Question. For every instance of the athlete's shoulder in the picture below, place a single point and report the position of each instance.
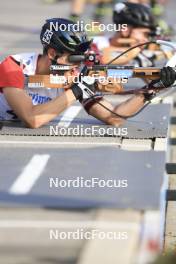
(28, 60)
(11, 73)
(24, 58)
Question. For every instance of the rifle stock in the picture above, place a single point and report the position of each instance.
(54, 81)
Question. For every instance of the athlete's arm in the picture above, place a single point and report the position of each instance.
(108, 54)
(35, 116)
(126, 108)
(132, 105)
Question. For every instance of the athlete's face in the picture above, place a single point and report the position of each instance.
(64, 59)
(141, 35)
(61, 59)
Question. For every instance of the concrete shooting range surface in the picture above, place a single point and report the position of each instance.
(132, 158)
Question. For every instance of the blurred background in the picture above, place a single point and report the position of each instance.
(24, 231)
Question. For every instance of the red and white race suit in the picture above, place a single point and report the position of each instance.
(12, 72)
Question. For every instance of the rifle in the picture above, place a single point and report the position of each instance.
(113, 71)
(55, 80)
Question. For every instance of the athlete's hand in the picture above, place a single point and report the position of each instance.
(85, 87)
(108, 84)
(70, 76)
(83, 90)
(167, 76)
(167, 79)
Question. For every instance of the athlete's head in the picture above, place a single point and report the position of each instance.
(60, 39)
(138, 17)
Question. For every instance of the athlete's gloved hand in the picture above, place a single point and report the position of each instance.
(148, 96)
(167, 76)
(85, 88)
(82, 90)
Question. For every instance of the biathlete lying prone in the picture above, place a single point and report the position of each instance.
(38, 106)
